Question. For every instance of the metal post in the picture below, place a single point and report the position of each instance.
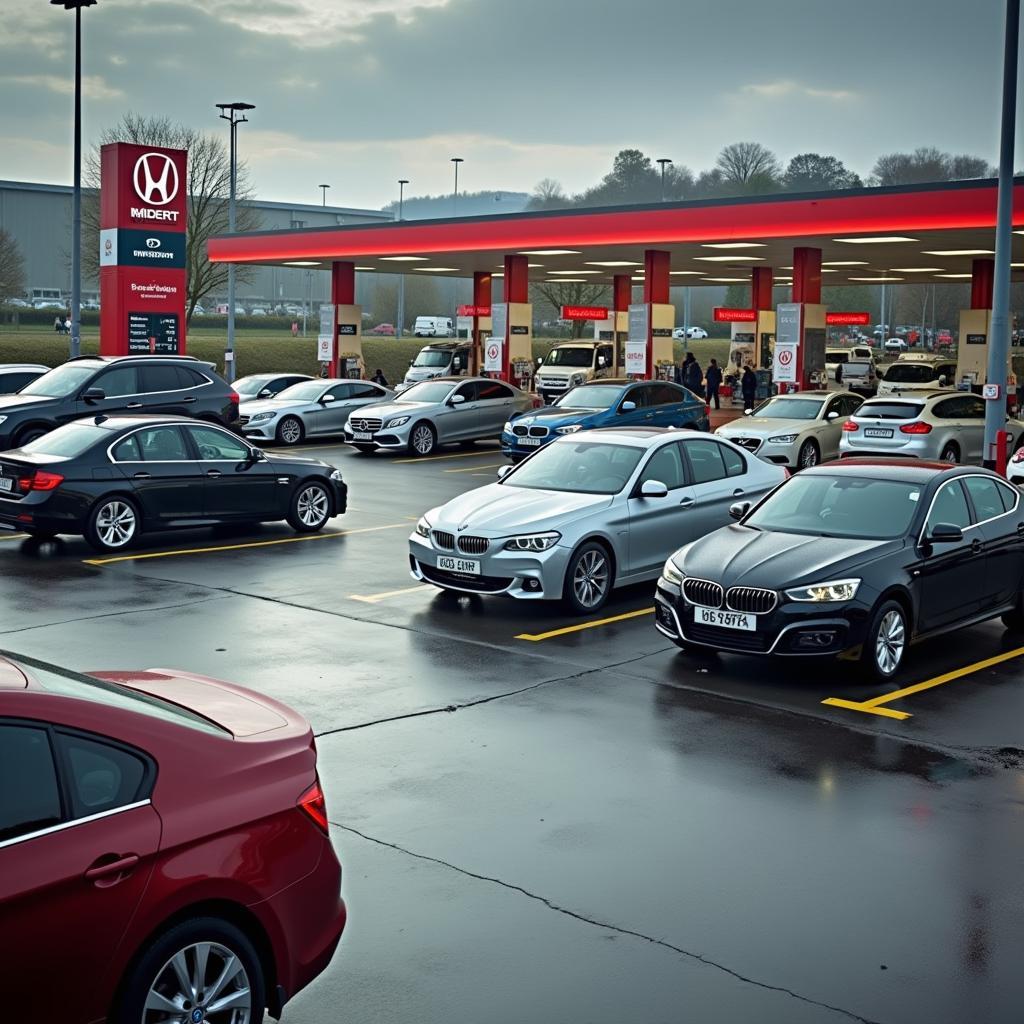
(323, 193)
(400, 317)
(664, 161)
(455, 195)
(999, 340)
(76, 206)
(229, 352)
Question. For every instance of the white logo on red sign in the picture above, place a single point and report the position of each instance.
(155, 179)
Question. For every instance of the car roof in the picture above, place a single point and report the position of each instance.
(639, 437)
(910, 395)
(813, 394)
(114, 422)
(906, 470)
(138, 359)
(615, 382)
(10, 367)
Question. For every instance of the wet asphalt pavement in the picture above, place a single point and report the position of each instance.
(587, 826)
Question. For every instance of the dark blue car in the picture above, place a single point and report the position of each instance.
(605, 403)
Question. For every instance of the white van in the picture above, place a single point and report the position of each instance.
(572, 363)
(437, 361)
(434, 327)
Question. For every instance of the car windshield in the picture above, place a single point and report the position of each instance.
(790, 408)
(433, 358)
(590, 398)
(911, 373)
(837, 357)
(251, 385)
(570, 357)
(432, 391)
(69, 440)
(307, 391)
(60, 382)
(842, 505)
(582, 467)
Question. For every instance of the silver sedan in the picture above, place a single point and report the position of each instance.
(311, 409)
(436, 412)
(798, 430)
(588, 512)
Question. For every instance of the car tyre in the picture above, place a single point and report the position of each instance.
(950, 453)
(1015, 619)
(114, 523)
(887, 640)
(809, 455)
(23, 437)
(290, 431)
(422, 439)
(153, 989)
(588, 579)
(310, 507)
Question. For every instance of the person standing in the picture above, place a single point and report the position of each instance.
(749, 386)
(713, 379)
(693, 375)
(379, 378)
(58, 325)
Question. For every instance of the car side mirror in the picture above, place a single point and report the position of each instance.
(946, 533)
(266, 393)
(256, 455)
(942, 381)
(93, 395)
(326, 398)
(627, 407)
(601, 362)
(504, 471)
(738, 509)
(832, 416)
(456, 400)
(748, 412)
(653, 489)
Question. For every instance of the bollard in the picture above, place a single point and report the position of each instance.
(1002, 451)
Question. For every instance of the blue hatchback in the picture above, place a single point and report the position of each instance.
(605, 403)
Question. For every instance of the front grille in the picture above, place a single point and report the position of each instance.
(664, 616)
(473, 545)
(365, 426)
(461, 581)
(750, 443)
(751, 599)
(444, 541)
(242, 420)
(734, 639)
(538, 431)
(520, 431)
(703, 592)
(554, 384)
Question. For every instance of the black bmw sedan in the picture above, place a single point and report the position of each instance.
(855, 560)
(112, 478)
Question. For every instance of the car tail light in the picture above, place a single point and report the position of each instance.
(916, 428)
(849, 427)
(40, 481)
(233, 397)
(707, 411)
(315, 806)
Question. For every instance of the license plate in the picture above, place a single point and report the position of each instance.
(6, 483)
(878, 432)
(362, 437)
(530, 442)
(463, 565)
(725, 620)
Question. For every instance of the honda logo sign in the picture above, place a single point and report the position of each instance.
(155, 179)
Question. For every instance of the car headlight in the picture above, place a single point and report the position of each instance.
(671, 573)
(568, 430)
(2, 418)
(533, 542)
(507, 429)
(824, 593)
(261, 416)
(782, 439)
(336, 475)
(398, 421)
(423, 527)
(575, 379)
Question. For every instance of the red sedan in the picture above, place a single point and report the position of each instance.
(164, 849)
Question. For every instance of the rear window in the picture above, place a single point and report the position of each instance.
(911, 373)
(857, 369)
(889, 410)
(82, 687)
(68, 441)
(837, 357)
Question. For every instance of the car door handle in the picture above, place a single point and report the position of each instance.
(213, 473)
(142, 476)
(737, 492)
(111, 867)
(189, 400)
(134, 405)
(687, 503)
(976, 546)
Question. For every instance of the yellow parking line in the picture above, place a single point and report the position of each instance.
(876, 706)
(475, 469)
(456, 455)
(579, 627)
(239, 547)
(13, 536)
(377, 598)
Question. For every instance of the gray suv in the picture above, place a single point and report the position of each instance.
(91, 385)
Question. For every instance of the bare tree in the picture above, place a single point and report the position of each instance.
(571, 293)
(749, 166)
(928, 164)
(12, 267)
(208, 182)
(548, 194)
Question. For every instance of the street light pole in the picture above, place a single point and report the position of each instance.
(323, 192)
(235, 116)
(400, 316)
(664, 162)
(999, 340)
(75, 345)
(455, 195)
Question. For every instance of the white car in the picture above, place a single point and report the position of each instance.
(895, 345)
(795, 431)
(690, 332)
(918, 373)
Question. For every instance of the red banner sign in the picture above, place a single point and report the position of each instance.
(474, 310)
(726, 315)
(584, 312)
(847, 319)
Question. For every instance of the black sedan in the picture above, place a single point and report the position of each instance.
(855, 560)
(112, 478)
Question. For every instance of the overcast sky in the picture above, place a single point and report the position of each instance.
(359, 93)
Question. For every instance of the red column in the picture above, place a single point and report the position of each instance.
(761, 281)
(982, 278)
(481, 297)
(517, 279)
(622, 293)
(656, 281)
(343, 293)
(807, 275)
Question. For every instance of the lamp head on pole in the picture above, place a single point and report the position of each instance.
(232, 109)
(73, 5)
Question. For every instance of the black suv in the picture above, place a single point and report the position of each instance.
(90, 385)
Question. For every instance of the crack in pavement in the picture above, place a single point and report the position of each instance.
(697, 957)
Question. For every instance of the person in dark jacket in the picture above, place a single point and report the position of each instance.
(714, 380)
(748, 384)
(379, 378)
(693, 375)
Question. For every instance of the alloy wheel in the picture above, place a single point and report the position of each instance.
(808, 455)
(291, 431)
(423, 440)
(312, 505)
(949, 454)
(205, 983)
(590, 578)
(890, 641)
(116, 523)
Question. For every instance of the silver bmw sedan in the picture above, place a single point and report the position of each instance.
(587, 513)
